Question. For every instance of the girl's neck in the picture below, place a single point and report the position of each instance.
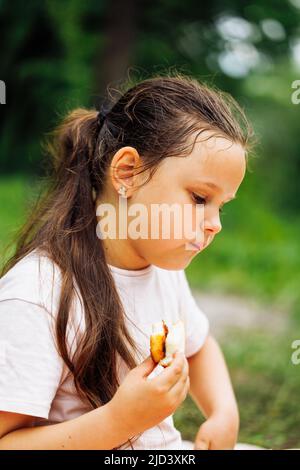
(120, 253)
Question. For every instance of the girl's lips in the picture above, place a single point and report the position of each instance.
(194, 246)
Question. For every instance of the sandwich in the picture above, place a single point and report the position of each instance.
(166, 340)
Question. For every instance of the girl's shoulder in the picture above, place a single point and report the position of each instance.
(34, 278)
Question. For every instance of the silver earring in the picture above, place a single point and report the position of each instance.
(122, 191)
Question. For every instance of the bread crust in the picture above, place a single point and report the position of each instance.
(158, 344)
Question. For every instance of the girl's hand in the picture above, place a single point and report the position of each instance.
(219, 432)
(140, 404)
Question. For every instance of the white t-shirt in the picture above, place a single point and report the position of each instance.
(34, 379)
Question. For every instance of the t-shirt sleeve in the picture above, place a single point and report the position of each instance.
(196, 322)
(30, 366)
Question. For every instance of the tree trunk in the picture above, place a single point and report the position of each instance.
(119, 37)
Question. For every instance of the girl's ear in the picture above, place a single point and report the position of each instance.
(123, 169)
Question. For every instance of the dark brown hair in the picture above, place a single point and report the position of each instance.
(155, 116)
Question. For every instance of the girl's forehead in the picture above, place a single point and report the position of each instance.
(215, 156)
(218, 161)
(217, 151)
(212, 158)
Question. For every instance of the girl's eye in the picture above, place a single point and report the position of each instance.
(202, 200)
(198, 199)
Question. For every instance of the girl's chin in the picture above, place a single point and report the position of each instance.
(180, 262)
(177, 258)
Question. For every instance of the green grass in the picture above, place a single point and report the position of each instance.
(12, 197)
(267, 386)
(257, 255)
(16, 193)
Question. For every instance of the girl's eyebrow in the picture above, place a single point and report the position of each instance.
(216, 187)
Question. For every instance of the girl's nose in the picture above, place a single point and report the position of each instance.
(213, 225)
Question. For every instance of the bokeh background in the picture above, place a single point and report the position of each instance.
(59, 54)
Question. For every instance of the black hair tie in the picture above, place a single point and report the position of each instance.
(102, 115)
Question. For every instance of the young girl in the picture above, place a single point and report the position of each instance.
(77, 308)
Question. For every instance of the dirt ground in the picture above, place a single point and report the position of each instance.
(227, 311)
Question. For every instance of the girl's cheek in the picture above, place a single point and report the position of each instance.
(193, 222)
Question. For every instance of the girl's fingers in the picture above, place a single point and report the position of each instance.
(171, 374)
(183, 377)
(180, 389)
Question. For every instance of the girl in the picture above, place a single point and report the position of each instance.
(76, 307)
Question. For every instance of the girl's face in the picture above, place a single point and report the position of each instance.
(210, 175)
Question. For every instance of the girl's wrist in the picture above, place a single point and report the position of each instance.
(123, 428)
(230, 414)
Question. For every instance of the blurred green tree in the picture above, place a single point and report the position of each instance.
(60, 54)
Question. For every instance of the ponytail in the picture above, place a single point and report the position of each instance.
(68, 235)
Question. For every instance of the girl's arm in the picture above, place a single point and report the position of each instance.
(98, 429)
(211, 389)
